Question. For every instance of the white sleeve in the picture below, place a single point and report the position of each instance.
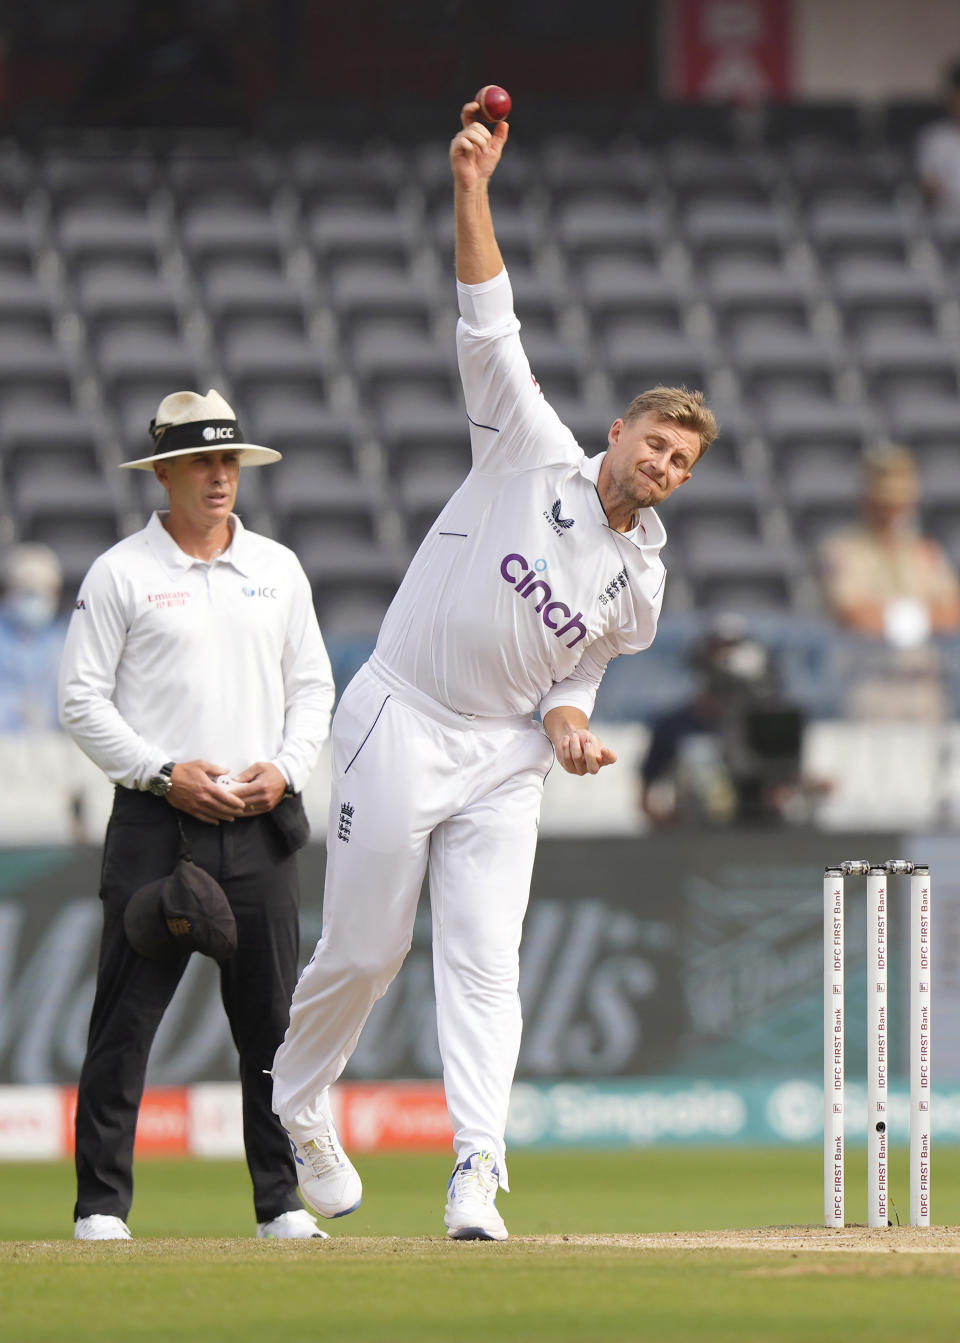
(579, 689)
(96, 638)
(512, 428)
(308, 687)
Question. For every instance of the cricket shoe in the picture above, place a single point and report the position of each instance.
(294, 1225)
(328, 1181)
(101, 1226)
(471, 1211)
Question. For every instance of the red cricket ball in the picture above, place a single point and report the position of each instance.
(494, 102)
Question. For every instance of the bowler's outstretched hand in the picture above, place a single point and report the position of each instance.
(475, 151)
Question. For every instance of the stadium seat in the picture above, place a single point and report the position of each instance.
(32, 368)
(88, 234)
(519, 235)
(26, 306)
(699, 175)
(808, 122)
(821, 174)
(772, 363)
(754, 295)
(838, 229)
(259, 358)
(874, 295)
(793, 425)
(16, 243)
(327, 174)
(645, 294)
(111, 299)
(236, 295)
(220, 231)
(896, 362)
(242, 180)
(348, 232)
(421, 435)
(382, 365)
(637, 357)
(574, 172)
(922, 420)
(586, 229)
(366, 296)
(731, 230)
(108, 181)
(320, 433)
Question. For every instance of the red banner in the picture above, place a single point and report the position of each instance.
(733, 51)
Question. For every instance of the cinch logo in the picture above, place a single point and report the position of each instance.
(519, 574)
(559, 524)
(260, 592)
(210, 434)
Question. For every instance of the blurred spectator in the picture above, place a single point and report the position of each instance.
(883, 579)
(881, 576)
(31, 638)
(938, 149)
(732, 753)
(164, 71)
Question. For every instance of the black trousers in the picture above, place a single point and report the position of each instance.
(258, 873)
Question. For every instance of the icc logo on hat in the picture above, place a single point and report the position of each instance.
(211, 433)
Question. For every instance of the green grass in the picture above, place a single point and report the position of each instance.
(382, 1281)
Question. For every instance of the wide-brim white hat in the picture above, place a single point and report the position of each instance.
(187, 422)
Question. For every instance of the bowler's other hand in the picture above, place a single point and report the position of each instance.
(194, 789)
(581, 752)
(259, 788)
(475, 151)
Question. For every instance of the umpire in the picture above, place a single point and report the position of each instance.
(194, 674)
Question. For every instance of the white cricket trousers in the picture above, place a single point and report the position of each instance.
(416, 786)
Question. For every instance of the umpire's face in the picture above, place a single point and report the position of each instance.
(202, 485)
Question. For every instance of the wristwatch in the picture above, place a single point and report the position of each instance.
(160, 784)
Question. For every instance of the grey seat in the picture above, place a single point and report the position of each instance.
(111, 299)
(365, 295)
(561, 365)
(637, 357)
(218, 232)
(644, 293)
(77, 541)
(236, 294)
(794, 424)
(759, 294)
(383, 365)
(108, 181)
(16, 248)
(896, 362)
(242, 180)
(50, 438)
(773, 362)
(32, 367)
(698, 174)
(832, 174)
(846, 229)
(26, 306)
(715, 229)
(326, 174)
(575, 171)
(925, 421)
(740, 573)
(90, 234)
(257, 355)
(316, 432)
(342, 232)
(876, 294)
(587, 229)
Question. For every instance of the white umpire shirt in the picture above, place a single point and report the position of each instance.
(169, 657)
(521, 592)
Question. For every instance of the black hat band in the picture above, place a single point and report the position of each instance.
(198, 434)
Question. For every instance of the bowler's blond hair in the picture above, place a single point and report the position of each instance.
(681, 407)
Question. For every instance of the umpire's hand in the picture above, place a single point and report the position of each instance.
(259, 788)
(194, 790)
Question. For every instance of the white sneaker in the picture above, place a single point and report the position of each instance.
(471, 1212)
(328, 1181)
(294, 1225)
(100, 1226)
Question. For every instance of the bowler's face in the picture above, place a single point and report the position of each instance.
(650, 457)
(201, 485)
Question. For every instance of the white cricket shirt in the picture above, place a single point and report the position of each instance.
(521, 592)
(168, 657)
